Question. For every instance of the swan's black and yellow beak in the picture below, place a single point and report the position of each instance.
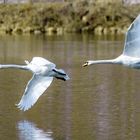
(85, 64)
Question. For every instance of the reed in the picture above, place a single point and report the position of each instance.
(77, 16)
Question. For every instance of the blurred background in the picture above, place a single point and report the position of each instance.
(98, 102)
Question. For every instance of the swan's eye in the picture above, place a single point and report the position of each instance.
(86, 64)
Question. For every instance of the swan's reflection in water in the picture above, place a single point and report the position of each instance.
(29, 131)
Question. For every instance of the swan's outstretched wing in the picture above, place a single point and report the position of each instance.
(41, 61)
(132, 41)
(34, 89)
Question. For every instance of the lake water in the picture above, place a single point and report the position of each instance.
(101, 102)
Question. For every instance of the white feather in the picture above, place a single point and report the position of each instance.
(43, 73)
(131, 53)
(34, 89)
(39, 61)
(132, 41)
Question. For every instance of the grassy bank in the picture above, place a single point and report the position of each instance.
(64, 17)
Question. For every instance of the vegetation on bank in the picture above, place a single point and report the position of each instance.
(58, 17)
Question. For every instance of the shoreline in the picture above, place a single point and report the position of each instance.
(66, 17)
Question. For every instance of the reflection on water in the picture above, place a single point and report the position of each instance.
(29, 131)
(100, 102)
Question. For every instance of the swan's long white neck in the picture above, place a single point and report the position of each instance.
(24, 67)
(92, 62)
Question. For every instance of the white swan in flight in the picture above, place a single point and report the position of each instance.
(131, 53)
(43, 73)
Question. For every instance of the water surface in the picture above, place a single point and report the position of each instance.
(100, 102)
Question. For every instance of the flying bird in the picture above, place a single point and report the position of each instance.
(131, 53)
(43, 73)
